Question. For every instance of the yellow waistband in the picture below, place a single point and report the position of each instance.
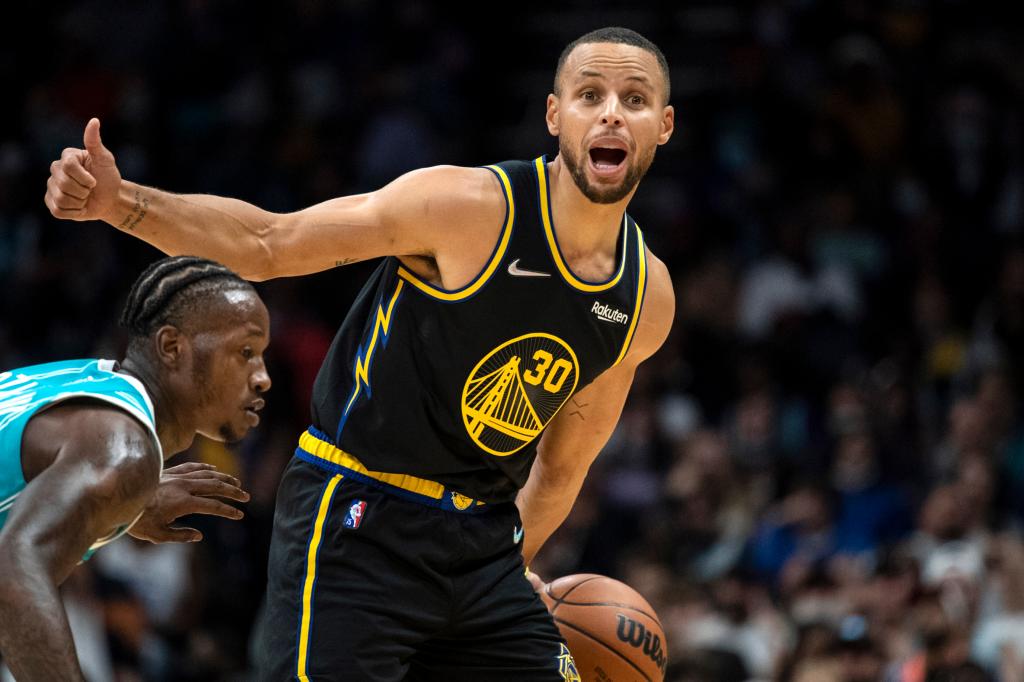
(421, 486)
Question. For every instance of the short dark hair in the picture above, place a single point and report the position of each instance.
(171, 289)
(622, 36)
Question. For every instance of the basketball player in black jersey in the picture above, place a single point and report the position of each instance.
(478, 374)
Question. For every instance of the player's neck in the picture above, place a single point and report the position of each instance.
(583, 227)
(171, 428)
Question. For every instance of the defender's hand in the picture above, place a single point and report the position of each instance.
(189, 488)
(83, 183)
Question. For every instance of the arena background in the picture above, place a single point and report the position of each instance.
(820, 475)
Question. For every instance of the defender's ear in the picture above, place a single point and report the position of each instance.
(170, 346)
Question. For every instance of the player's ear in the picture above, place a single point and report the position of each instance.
(552, 114)
(170, 345)
(668, 124)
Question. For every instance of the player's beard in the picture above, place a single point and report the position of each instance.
(634, 173)
(206, 396)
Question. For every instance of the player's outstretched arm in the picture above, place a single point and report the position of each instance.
(413, 216)
(100, 479)
(576, 435)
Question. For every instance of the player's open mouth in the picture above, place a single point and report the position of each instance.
(252, 409)
(607, 161)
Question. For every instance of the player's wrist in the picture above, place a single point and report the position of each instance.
(126, 208)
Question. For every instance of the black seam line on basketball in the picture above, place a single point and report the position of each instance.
(605, 645)
(559, 600)
(612, 603)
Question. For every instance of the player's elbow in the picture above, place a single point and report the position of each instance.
(263, 255)
(276, 248)
(11, 590)
(261, 264)
(19, 561)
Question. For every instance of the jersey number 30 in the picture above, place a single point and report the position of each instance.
(559, 371)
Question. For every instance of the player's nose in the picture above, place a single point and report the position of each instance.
(260, 379)
(612, 114)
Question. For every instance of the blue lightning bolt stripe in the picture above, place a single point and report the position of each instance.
(361, 367)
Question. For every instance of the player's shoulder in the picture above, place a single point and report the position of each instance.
(462, 182)
(103, 434)
(659, 308)
(449, 197)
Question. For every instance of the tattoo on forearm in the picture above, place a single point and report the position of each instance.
(579, 411)
(345, 261)
(139, 211)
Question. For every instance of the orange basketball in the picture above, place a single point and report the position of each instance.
(613, 633)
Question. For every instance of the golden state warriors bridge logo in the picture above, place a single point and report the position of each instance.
(516, 389)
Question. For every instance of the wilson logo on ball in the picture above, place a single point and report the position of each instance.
(636, 635)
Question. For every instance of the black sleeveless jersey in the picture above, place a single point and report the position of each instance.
(456, 386)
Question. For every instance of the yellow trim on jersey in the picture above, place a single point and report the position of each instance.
(307, 587)
(641, 289)
(485, 274)
(335, 455)
(362, 369)
(549, 231)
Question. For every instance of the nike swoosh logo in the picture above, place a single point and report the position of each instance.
(516, 271)
(517, 535)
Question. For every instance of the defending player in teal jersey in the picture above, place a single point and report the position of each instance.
(82, 444)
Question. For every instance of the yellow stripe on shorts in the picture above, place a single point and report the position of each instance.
(307, 588)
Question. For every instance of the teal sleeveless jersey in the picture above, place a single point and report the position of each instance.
(27, 391)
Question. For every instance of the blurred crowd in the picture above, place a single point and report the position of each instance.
(820, 478)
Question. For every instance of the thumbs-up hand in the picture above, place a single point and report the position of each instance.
(84, 183)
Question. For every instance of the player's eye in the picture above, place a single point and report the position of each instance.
(636, 100)
(588, 96)
(247, 353)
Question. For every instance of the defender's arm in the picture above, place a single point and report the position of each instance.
(100, 479)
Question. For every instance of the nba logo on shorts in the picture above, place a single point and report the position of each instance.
(355, 514)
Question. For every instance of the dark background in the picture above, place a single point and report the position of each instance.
(819, 477)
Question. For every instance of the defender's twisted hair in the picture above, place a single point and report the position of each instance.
(171, 288)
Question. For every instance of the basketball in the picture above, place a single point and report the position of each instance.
(613, 633)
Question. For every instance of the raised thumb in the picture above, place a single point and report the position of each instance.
(93, 143)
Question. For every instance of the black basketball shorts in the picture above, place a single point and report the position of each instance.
(366, 584)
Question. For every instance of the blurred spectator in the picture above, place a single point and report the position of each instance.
(739, 618)
(945, 545)
(872, 512)
(998, 642)
(787, 287)
(712, 509)
(798, 536)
